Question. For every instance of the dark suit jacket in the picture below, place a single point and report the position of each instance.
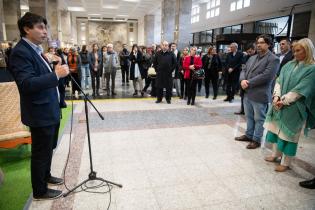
(234, 62)
(216, 65)
(260, 74)
(288, 57)
(164, 64)
(37, 87)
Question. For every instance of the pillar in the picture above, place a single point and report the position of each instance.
(11, 13)
(2, 23)
(311, 32)
(182, 26)
(149, 29)
(168, 20)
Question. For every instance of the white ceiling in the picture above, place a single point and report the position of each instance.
(127, 9)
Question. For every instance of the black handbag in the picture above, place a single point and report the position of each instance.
(199, 74)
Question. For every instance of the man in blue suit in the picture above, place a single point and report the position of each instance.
(39, 98)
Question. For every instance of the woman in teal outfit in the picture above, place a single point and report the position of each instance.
(293, 106)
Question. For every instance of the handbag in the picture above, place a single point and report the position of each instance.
(199, 74)
(152, 72)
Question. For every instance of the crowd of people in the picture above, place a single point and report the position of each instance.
(285, 81)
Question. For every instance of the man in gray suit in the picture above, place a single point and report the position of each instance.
(256, 80)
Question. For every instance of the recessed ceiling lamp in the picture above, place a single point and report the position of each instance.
(110, 7)
(94, 14)
(122, 15)
(132, 0)
(24, 7)
(76, 9)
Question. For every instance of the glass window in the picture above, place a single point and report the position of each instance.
(239, 4)
(209, 36)
(236, 29)
(203, 37)
(196, 38)
(246, 3)
(217, 11)
(227, 30)
(233, 6)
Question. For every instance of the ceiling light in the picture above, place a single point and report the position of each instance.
(122, 15)
(132, 0)
(76, 9)
(94, 14)
(24, 7)
(110, 7)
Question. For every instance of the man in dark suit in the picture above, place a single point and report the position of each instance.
(286, 54)
(233, 69)
(39, 99)
(164, 63)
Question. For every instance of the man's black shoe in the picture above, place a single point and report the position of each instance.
(239, 113)
(243, 138)
(309, 184)
(207, 95)
(214, 98)
(227, 99)
(169, 102)
(54, 181)
(158, 101)
(49, 195)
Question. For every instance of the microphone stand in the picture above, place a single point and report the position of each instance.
(92, 174)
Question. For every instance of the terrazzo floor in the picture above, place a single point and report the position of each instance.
(174, 157)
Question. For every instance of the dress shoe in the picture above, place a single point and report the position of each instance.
(54, 181)
(243, 138)
(113, 93)
(135, 93)
(192, 103)
(207, 95)
(142, 93)
(227, 99)
(188, 102)
(281, 168)
(239, 113)
(158, 101)
(180, 97)
(309, 184)
(49, 195)
(271, 159)
(214, 98)
(253, 145)
(168, 101)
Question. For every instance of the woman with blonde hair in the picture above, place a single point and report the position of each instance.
(293, 105)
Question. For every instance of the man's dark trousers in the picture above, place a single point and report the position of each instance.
(168, 94)
(44, 140)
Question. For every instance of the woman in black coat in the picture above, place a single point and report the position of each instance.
(212, 65)
(137, 74)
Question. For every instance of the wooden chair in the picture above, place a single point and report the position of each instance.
(12, 131)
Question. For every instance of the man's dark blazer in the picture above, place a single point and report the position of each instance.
(234, 62)
(288, 57)
(37, 87)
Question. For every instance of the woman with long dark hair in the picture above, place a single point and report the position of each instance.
(136, 71)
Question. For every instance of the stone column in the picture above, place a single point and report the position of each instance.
(175, 24)
(311, 32)
(38, 7)
(12, 13)
(183, 27)
(168, 20)
(2, 23)
(148, 29)
(65, 27)
(49, 10)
